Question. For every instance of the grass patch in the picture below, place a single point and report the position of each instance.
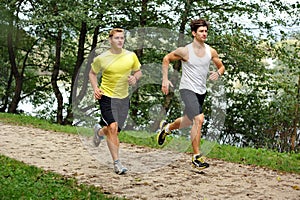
(24, 120)
(285, 162)
(21, 181)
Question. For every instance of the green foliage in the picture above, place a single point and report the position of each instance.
(261, 101)
(21, 181)
(284, 127)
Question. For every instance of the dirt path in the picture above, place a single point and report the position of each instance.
(148, 177)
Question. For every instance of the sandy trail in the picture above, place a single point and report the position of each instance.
(148, 176)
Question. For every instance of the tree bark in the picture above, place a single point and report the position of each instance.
(54, 78)
(18, 76)
(79, 61)
(7, 91)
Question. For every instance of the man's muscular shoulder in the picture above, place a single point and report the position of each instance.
(182, 52)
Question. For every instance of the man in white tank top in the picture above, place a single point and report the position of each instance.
(195, 59)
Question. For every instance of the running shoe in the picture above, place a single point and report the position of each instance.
(97, 138)
(161, 136)
(119, 168)
(199, 162)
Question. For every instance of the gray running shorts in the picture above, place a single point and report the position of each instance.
(193, 103)
(113, 110)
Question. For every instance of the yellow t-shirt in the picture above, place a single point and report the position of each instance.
(115, 70)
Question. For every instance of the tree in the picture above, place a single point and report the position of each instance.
(284, 105)
(19, 47)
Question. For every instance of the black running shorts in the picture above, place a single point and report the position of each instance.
(193, 103)
(113, 110)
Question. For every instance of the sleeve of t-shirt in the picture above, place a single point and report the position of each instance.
(136, 63)
(96, 65)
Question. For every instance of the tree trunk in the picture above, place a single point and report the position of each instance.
(143, 22)
(54, 78)
(80, 59)
(18, 76)
(5, 98)
(78, 97)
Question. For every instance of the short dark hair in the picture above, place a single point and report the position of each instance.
(195, 24)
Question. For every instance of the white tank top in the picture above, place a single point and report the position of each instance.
(195, 70)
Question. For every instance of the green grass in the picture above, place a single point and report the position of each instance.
(21, 181)
(23, 120)
(32, 183)
(285, 162)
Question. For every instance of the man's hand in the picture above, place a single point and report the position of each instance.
(214, 75)
(132, 80)
(165, 86)
(98, 93)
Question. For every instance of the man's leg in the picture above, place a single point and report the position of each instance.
(191, 107)
(109, 111)
(181, 122)
(120, 108)
(113, 143)
(196, 132)
(101, 131)
(165, 128)
(198, 160)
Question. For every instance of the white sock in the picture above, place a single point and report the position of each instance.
(116, 161)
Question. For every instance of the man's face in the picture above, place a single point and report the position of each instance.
(201, 34)
(117, 40)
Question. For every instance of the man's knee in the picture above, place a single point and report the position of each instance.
(113, 128)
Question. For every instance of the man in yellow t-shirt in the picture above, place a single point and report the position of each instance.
(120, 68)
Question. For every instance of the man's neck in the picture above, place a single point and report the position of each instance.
(115, 50)
(198, 44)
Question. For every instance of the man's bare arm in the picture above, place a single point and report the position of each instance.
(218, 63)
(94, 82)
(178, 54)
